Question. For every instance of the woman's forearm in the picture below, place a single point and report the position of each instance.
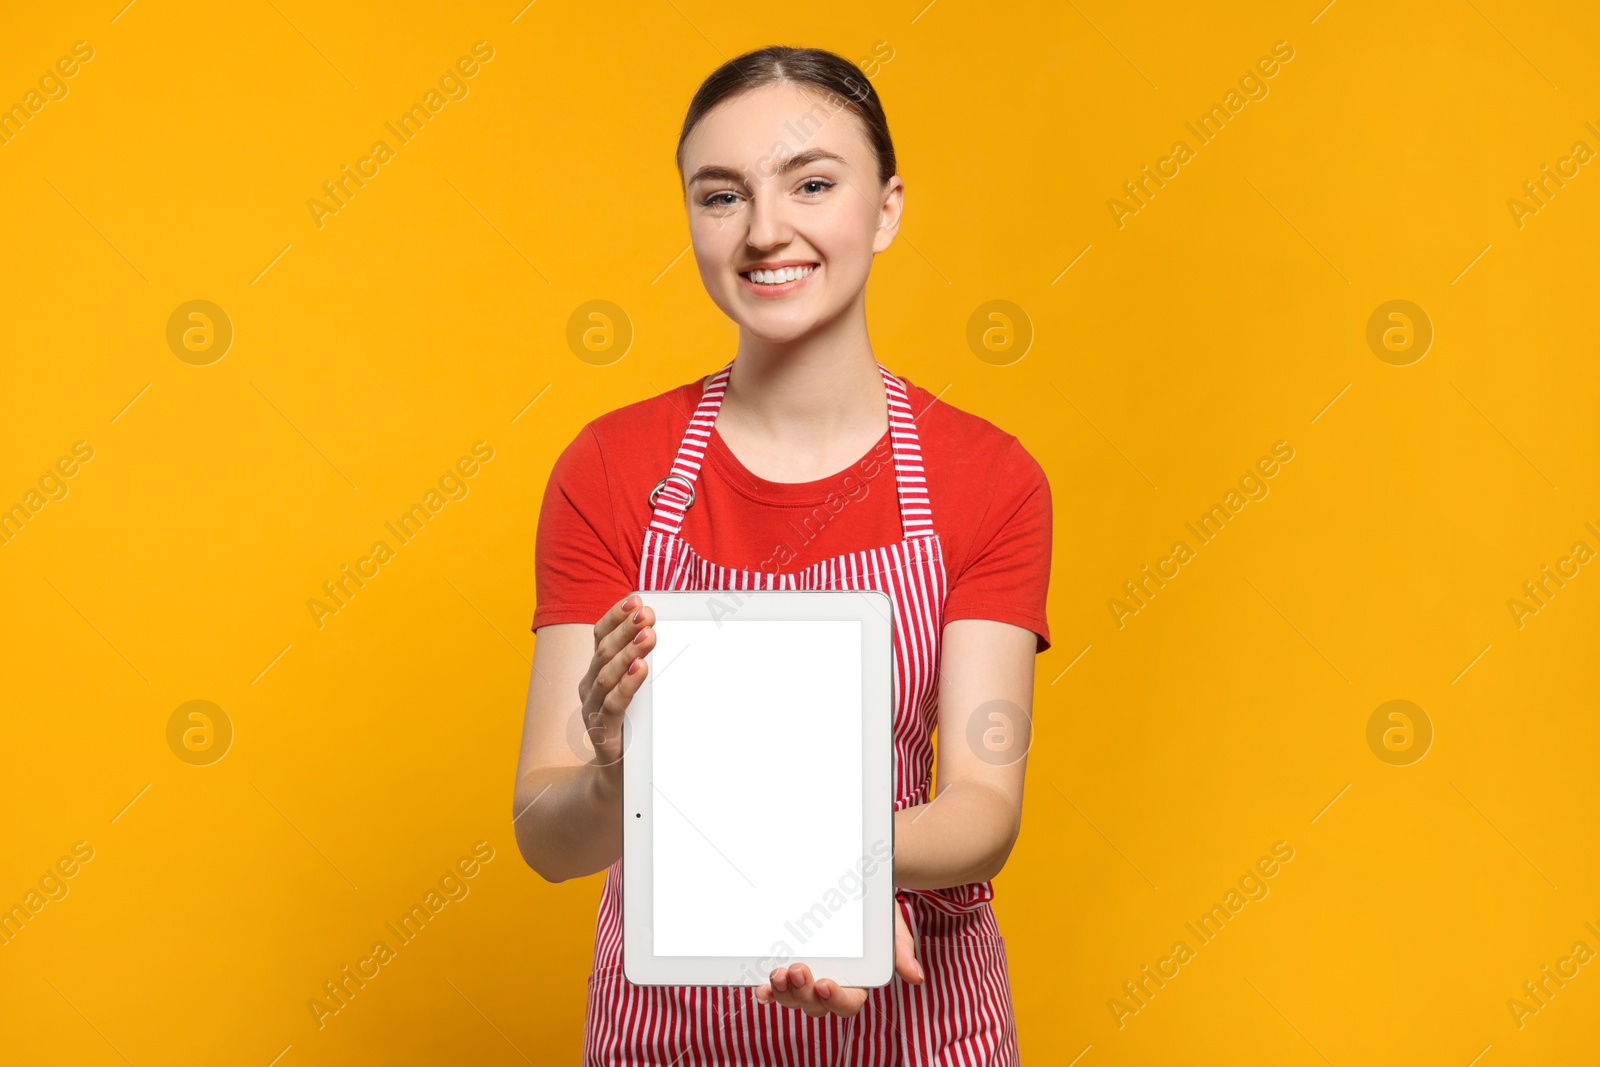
(568, 824)
(963, 835)
(568, 820)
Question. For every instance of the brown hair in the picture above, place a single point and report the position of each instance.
(836, 77)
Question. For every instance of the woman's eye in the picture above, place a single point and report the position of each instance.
(824, 183)
(715, 200)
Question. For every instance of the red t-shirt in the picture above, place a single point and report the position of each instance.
(990, 501)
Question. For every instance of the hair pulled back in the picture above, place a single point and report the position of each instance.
(840, 81)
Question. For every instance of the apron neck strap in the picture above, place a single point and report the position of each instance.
(672, 496)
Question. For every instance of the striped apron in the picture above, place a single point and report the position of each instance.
(961, 1015)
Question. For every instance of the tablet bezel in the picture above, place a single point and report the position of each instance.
(874, 610)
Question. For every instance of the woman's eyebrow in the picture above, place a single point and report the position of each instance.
(716, 172)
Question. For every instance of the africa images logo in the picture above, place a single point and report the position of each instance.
(1252, 87)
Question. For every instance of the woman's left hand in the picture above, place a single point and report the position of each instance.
(793, 986)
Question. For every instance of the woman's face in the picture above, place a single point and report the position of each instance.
(780, 177)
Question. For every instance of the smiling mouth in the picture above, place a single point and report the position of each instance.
(778, 277)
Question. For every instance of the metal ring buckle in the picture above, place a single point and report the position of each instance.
(663, 483)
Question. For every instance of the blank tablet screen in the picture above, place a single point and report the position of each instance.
(756, 740)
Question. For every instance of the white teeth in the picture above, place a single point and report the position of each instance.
(778, 277)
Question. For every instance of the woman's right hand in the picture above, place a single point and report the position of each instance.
(622, 638)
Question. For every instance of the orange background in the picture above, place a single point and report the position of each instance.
(371, 754)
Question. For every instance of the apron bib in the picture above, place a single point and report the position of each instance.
(961, 1014)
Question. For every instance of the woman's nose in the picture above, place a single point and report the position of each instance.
(769, 223)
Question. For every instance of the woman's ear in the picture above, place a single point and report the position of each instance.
(889, 213)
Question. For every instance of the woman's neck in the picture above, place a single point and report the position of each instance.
(803, 410)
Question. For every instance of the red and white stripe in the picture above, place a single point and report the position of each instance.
(961, 1016)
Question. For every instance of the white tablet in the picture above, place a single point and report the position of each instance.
(757, 790)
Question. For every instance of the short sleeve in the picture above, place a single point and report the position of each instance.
(1007, 577)
(578, 573)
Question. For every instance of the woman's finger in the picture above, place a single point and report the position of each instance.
(607, 623)
(614, 686)
(905, 950)
(845, 1001)
(814, 997)
(778, 990)
(792, 987)
(641, 639)
(614, 632)
(622, 676)
(803, 991)
(619, 671)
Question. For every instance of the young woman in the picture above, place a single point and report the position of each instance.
(803, 463)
